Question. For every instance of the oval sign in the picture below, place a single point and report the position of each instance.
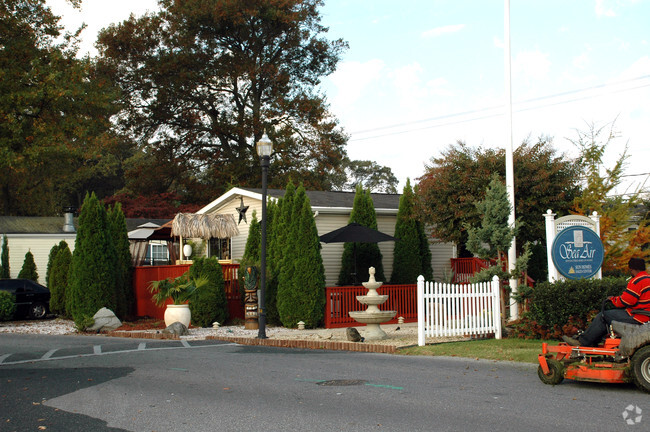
(577, 252)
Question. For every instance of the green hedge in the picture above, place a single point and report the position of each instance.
(209, 303)
(565, 306)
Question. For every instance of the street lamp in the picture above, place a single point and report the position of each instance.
(264, 150)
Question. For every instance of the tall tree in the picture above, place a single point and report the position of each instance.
(618, 212)
(59, 278)
(301, 290)
(368, 174)
(409, 249)
(124, 297)
(92, 278)
(359, 257)
(203, 79)
(50, 260)
(55, 137)
(456, 180)
(4, 257)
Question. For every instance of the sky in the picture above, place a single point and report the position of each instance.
(419, 75)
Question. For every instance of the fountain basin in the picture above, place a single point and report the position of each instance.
(372, 300)
(372, 318)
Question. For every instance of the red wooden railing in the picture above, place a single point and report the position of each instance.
(341, 300)
(144, 275)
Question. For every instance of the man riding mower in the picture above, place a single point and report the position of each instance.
(624, 356)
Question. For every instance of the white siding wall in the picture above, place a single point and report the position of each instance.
(39, 245)
(332, 252)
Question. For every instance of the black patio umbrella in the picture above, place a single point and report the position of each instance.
(355, 233)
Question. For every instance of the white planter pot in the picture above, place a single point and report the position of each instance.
(180, 313)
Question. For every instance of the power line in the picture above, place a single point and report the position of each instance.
(497, 114)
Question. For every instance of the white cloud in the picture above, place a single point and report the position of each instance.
(531, 65)
(603, 9)
(351, 79)
(438, 31)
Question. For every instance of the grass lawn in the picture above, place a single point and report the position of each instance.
(518, 350)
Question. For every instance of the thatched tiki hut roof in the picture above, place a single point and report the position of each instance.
(205, 226)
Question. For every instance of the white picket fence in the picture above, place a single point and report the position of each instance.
(458, 309)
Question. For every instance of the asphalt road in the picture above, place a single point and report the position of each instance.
(81, 383)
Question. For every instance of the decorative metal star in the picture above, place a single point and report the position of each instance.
(241, 210)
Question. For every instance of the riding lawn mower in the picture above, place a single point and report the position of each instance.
(622, 357)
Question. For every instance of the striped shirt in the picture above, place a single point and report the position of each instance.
(636, 297)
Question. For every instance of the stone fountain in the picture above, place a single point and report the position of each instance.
(372, 316)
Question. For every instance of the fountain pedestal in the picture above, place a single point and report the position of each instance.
(372, 316)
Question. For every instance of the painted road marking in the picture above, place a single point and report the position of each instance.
(48, 354)
(97, 351)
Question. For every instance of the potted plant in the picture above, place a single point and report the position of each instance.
(179, 290)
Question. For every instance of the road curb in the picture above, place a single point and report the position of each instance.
(308, 344)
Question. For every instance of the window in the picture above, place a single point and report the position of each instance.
(219, 248)
(157, 254)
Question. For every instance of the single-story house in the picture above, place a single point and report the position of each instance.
(40, 234)
(331, 211)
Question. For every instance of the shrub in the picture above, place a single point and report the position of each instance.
(209, 303)
(29, 268)
(7, 306)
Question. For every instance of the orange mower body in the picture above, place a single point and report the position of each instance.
(615, 360)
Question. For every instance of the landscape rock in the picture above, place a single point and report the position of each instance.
(353, 335)
(176, 328)
(105, 320)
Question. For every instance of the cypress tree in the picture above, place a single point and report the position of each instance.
(92, 278)
(272, 263)
(301, 293)
(209, 303)
(29, 268)
(50, 261)
(254, 241)
(124, 297)
(59, 279)
(4, 257)
(407, 262)
(359, 257)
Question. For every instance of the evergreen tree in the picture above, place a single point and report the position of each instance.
(301, 292)
(50, 262)
(272, 263)
(408, 260)
(123, 290)
(92, 279)
(4, 257)
(279, 220)
(493, 238)
(359, 257)
(252, 249)
(209, 303)
(425, 252)
(59, 279)
(29, 268)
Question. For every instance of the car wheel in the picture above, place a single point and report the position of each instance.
(641, 368)
(37, 311)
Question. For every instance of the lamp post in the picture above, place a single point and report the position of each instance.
(264, 150)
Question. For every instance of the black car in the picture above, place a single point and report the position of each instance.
(32, 299)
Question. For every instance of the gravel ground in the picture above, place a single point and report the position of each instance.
(398, 334)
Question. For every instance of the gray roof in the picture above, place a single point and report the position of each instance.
(338, 199)
(54, 224)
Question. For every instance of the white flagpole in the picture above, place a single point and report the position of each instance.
(510, 184)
